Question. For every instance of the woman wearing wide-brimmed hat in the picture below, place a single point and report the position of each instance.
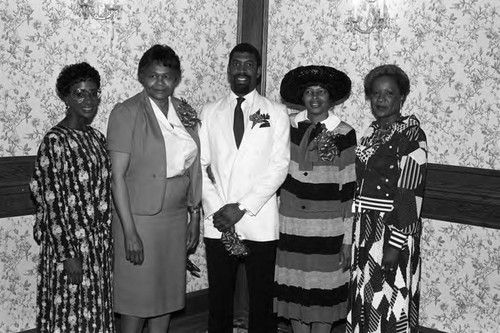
(314, 248)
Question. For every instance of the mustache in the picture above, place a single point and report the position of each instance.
(241, 75)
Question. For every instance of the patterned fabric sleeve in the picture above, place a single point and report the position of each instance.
(348, 181)
(404, 220)
(50, 190)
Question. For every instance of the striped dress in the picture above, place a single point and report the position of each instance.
(315, 220)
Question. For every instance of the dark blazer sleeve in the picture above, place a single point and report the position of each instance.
(404, 219)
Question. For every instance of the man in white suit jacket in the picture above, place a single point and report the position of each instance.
(240, 191)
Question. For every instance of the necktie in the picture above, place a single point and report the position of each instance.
(239, 124)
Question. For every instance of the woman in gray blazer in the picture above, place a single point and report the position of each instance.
(154, 149)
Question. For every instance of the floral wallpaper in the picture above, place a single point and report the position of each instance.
(18, 254)
(37, 38)
(450, 50)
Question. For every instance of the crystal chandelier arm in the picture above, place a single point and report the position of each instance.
(97, 9)
(377, 22)
(107, 12)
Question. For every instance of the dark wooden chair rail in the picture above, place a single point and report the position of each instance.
(453, 193)
(15, 196)
(462, 195)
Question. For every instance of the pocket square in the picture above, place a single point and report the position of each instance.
(266, 124)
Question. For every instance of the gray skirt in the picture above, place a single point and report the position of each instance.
(158, 286)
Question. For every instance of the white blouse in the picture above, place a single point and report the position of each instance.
(180, 147)
(331, 122)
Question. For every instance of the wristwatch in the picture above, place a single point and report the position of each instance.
(242, 208)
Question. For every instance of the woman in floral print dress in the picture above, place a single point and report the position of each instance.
(71, 187)
(390, 165)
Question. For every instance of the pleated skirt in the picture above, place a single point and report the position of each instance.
(158, 286)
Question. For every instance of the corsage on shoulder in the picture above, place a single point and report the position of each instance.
(260, 118)
(328, 145)
(188, 115)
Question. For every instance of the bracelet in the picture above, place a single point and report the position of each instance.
(195, 209)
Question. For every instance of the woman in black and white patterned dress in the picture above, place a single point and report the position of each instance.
(390, 165)
(72, 190)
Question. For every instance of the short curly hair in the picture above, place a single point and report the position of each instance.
(162, 54)
(76, 73)
(393, 71)
(246, 48)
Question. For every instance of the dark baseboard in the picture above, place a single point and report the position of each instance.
(193, 318)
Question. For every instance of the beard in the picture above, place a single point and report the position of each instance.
(241, 88)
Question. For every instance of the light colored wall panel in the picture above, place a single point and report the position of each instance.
(37, 38)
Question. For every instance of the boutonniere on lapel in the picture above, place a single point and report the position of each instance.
(327, 143)
(260, 118)
(188, 115)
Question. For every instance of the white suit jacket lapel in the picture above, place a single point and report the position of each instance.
(225, 121)
(247, 136)
(247, 141)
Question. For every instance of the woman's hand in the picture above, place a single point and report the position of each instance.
(193, 232)
(345, 257)
(73, 268)
(134, 250)
(390, 259)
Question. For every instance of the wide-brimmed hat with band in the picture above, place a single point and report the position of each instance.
(297, 80)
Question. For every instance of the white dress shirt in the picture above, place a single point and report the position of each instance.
(180, 147)
(331, 122)
(246, 106)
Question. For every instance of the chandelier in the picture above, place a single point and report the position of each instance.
(367, 16)
(97, 9)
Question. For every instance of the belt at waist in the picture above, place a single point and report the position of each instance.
(383, 205)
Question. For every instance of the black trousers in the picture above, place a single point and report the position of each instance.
(222, 268)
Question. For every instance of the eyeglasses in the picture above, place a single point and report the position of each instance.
(78, 95)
